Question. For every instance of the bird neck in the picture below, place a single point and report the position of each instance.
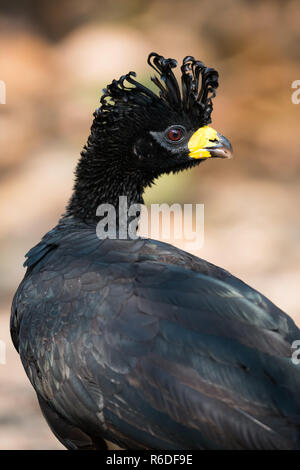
(99, 182)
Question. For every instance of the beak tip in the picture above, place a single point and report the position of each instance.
(223, 150)
(227, 153)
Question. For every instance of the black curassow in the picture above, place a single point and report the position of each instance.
(135, 341)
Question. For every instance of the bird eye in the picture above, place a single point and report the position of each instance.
(175, 134)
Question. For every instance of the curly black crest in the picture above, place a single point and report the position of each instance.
(198, 87)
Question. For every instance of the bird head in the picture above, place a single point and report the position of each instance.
(138, 134)
(158, 133)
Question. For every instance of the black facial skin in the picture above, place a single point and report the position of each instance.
(157, 150)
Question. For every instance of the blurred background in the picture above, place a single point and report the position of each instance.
(55, 58)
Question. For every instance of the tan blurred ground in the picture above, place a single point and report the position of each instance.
(56, 60)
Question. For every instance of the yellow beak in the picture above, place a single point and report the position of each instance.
(207, 142)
